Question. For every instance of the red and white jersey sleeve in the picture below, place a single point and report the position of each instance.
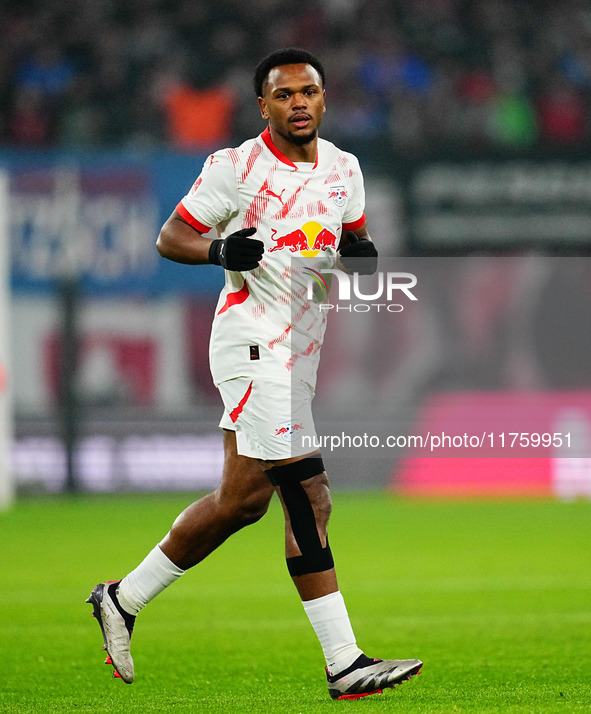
(354, 216)
(213, 197)
(263, 321)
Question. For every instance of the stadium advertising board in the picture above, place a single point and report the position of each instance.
(94, 224)
(96, 219)
(503, 204)
(500, 443)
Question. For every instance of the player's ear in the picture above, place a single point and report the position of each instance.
(324, 102)
(263, 108)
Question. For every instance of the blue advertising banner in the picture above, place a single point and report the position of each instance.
(96, 217)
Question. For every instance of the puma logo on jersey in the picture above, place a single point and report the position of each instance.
(279, 196)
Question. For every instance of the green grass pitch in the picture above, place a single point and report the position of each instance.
(494, 597)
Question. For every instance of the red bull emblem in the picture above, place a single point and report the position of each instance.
(338, 195)
(308, 240)
(296, 240)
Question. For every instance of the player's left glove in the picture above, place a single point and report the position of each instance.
(359, 255)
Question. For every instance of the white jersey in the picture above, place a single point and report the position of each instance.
(264, 322)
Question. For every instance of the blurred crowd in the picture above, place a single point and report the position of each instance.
(421, 75)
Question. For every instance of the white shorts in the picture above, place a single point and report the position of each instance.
(272, 417)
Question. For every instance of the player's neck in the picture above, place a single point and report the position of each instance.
(293, 152)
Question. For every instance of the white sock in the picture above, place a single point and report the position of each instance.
(328, 616)
(155, 573)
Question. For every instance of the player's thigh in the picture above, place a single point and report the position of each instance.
(243, 479)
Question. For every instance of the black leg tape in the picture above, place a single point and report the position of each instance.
(314, 558)
(317, 563)
(296, 471)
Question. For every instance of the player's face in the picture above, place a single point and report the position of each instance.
(293, 103)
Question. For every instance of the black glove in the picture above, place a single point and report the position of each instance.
(359, 255)
(237, 251)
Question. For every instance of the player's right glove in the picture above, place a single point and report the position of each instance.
(359, 255)
(237, 251)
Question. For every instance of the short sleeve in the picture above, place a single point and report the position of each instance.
(354, 216)
(213, 198)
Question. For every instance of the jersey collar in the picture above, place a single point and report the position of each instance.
(266, 137)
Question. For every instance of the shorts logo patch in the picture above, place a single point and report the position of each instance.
(288, 430)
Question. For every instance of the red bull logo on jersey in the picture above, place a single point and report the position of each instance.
(338, 195)
(308, 240)
(289, 430)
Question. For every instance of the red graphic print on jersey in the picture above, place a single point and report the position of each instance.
(195, 186)
(259, 204)
(288, 205)
(255, 152)
(235, 298)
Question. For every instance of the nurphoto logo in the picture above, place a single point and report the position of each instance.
(382, 286)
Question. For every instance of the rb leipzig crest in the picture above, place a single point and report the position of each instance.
(288, 430)
(338, 195)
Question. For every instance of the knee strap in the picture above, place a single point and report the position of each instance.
(314, 558)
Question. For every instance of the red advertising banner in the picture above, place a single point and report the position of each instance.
(499, 444)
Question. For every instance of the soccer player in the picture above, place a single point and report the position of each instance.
(283, 195)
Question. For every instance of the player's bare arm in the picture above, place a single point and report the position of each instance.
(180, 242)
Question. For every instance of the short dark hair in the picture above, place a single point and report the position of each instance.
(290, 55)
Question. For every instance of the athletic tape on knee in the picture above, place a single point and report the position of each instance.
(316, 562)
(296, 471)
(314, 558)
